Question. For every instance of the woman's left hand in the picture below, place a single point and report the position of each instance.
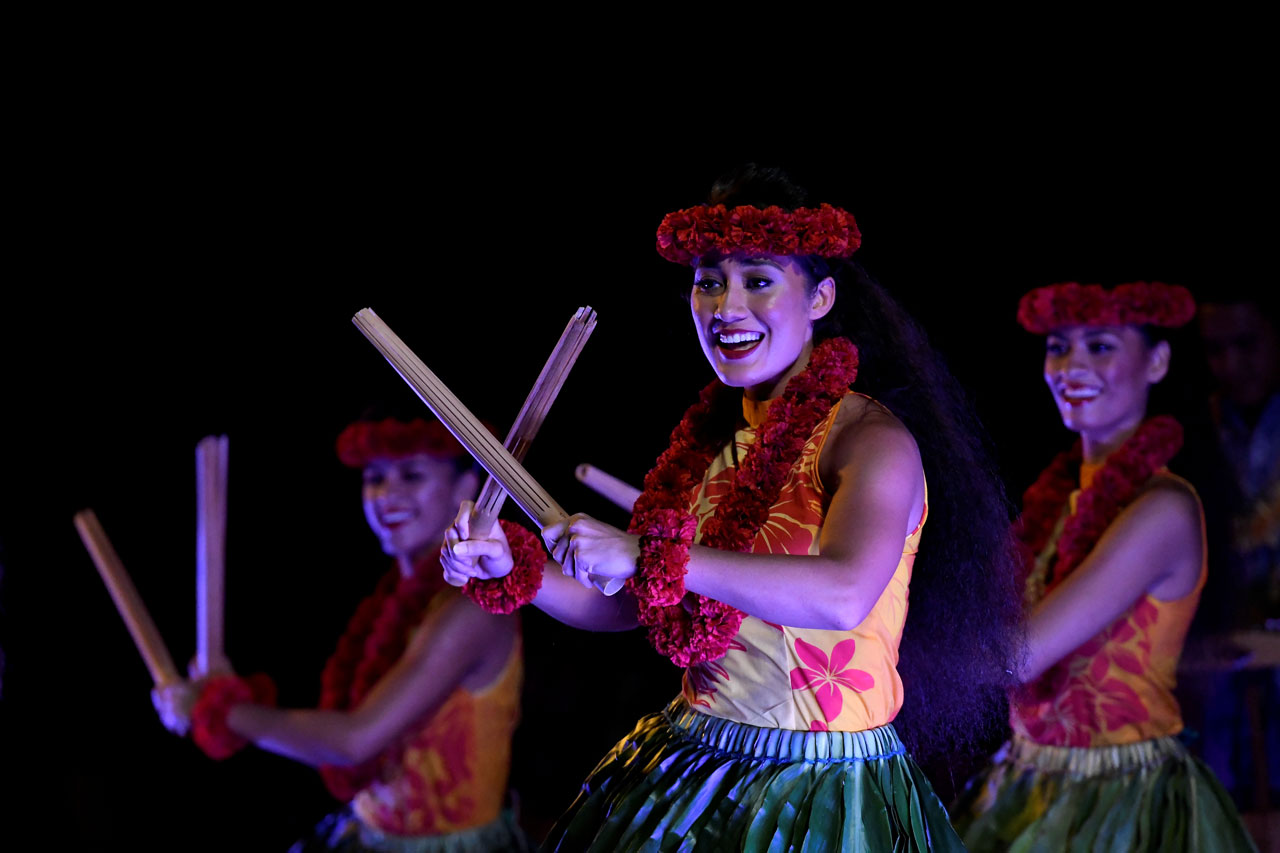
(173, 703)
(588, 549)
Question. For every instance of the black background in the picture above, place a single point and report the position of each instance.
(191, 253)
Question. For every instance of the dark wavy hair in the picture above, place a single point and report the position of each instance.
(963, 630)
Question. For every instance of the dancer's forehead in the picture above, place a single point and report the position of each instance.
(717, 260)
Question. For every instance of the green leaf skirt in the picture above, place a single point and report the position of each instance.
(683, 780)
(1146, 796)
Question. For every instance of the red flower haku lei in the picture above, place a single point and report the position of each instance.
(519, 586)
(1114, 487)
(219, 694)
(698, 629)
(824, 230)
(363, 441)
(375, 639)
(1138, 303)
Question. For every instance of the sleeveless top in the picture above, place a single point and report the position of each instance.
(1116, 688)
(449, 772)
(809, 679)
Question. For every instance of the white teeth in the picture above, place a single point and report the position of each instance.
(396, 516)
(1079, 393)
(740, 337)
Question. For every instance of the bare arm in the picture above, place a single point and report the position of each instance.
(456, 643)
(873, 468)
(1155, 545)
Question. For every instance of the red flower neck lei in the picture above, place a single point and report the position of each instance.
(1113, 488)
(694, 629)
(375, 639)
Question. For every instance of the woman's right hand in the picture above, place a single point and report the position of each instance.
(173, 702)
(466, 554)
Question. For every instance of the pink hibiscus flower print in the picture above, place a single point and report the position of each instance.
(824, 676)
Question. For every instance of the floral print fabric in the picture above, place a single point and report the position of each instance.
(450, 772)
(799, 678)
(1117, 688)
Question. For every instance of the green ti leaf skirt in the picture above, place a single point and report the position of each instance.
(1147, 796)
(683, 780)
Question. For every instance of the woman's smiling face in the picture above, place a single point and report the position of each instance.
(754, 316)
(1100, 376)
(410, 500)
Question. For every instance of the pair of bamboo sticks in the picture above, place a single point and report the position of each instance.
(211, 480)
(211, 528)
(503, 466)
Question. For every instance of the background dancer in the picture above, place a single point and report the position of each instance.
(420, 700)
(771, 553)
(1114, 545)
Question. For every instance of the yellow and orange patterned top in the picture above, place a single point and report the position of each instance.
(452, 769)
(1117, 688)
(801, 678)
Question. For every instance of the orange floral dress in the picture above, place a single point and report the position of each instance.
(775, 676)
(1117, 688)
(451, 773)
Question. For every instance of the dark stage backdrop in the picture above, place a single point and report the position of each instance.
(194, 282)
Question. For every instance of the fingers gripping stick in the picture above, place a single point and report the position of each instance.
(503, 466)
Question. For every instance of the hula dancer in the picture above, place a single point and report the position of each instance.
(770, 555)
(420, 700)
(1114, 545)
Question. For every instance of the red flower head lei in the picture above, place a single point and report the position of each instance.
(1139, 303)
(363, 441)
(697, 629)
(824, 230)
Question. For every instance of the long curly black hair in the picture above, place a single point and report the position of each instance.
(963, 631)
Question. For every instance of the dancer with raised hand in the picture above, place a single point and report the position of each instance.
(770, 555)
(1114, 545)
(420, 700)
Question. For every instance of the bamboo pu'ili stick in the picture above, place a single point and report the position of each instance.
(128, 602)
(211, 530)
(528, 494)
(535, 408)
(618, 492)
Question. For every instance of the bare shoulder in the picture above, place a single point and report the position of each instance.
(1170, 497)
(460, 627)
(1166, 515)
(865, 432)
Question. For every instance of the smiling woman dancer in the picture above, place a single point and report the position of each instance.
(1115, 546)
(770, 555)
(419, 702)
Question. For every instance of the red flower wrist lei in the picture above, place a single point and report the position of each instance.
(219, 695)
(519, 586)
(665, 537)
